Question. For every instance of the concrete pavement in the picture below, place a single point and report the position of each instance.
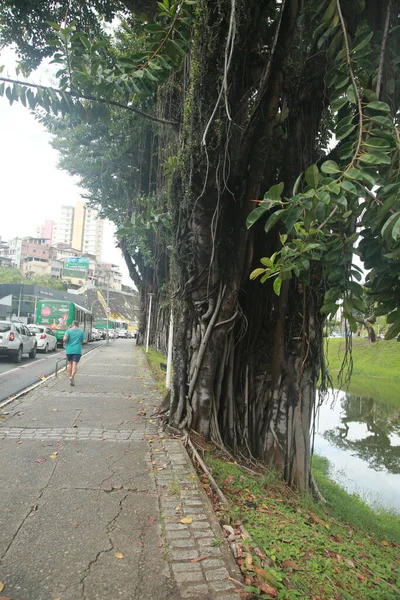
(92, 494)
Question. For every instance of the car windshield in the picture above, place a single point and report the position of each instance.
(36, 329)
(5, 327)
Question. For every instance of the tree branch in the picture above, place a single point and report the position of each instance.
(79, 95)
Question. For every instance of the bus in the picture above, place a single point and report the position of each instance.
(59, 315)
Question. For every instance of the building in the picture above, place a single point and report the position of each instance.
(80, 228)
(14, 251)
(35, 256)
(19, 300)
(47, 231)
(5, 259)
(109, 275)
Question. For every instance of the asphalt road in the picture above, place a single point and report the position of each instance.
(14, 378)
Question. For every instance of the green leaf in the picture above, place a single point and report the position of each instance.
(341, 82)
(363, 43)
(312, 176)
(274, 218)
(275, 191)
(375, 142)
(380, 120)
(256, 214)
(396, 230)
(375, 158)
(297, 184)
(343, 132)
(389, 224)
(292, 217)
(366, 176)
(347, 186)
(256, 273)
(331, 307)
(330, 167)
(320, 212)
(277, 286)
(378, 106)
(339, 103)
(393, 331)
(353, 173)
(351, 94)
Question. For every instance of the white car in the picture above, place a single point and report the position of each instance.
(16, 340)
(46, 340)
(122, 333)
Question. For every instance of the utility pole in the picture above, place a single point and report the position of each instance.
(169, 358)
(108, 307)
(19, 301)
(150, 295)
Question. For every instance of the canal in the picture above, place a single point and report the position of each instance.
(361, 439)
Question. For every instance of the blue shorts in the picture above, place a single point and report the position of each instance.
(74, 357)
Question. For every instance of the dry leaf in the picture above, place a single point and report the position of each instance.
(316, 519)
(384, 543)
(2, 586)
(118, 555)
(362, 577)
(186, 520)
(54, 456)
(248, 559)
(261, 572)
(289, 564)
(269, 590)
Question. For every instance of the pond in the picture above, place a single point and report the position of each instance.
(361, 439)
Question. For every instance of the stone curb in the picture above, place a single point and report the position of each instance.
(181, 495)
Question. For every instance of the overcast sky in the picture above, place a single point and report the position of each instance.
(32, 188)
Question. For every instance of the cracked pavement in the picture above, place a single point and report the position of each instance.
(77, 486)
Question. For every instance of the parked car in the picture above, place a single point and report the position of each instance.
(111, 334)
(122, 333)
(16, 340)
(46, 340)
(96, 335)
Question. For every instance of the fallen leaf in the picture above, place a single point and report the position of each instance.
(118, 555)
(248, 559)
(384, 543)
(186, 520)
(54, 456)
(150, 521)
(75, 523)
(178, 508)
(261, 572)
(289, 564)
(362, 577)
(316, 519)
(2, 586)
(268, 589)
(200, 558)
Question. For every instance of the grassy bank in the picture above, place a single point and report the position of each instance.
(376, 371)
(155, 359)
(341, 552)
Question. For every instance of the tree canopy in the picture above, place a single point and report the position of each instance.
(233, 142)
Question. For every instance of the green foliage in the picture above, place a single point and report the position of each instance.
(15, 276)
(312, 550)
(336, 202)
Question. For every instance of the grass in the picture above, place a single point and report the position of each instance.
(154, 358)
(341, 552)
(376, 371)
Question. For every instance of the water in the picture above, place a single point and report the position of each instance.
(361, 439)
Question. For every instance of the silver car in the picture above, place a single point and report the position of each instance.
(16, 340)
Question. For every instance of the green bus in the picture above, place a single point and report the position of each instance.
(59, 315)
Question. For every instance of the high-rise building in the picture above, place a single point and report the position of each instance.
(80, 228)
(47, 231)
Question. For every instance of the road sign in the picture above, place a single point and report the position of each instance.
(76, 262)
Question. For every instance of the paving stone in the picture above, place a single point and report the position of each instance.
(175, 535)
(216, 574)
(183, 567)
(195, 591)
(210, 563)
(184, 554)
(221, 586)
(183, 543)
(207, 541)
(202, 533)
(189, 576)
(211, 550)
(201, 525)
(175, 526)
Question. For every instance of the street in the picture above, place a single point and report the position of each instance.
(16, 377)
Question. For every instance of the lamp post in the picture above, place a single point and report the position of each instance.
(150, 295)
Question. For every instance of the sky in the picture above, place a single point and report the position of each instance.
(32, 187)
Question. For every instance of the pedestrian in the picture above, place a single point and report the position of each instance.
(73, 339)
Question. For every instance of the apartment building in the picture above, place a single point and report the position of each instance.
(80, 228)
(35, 256)
(47, 231)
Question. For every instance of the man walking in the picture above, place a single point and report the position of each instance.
(74, 338)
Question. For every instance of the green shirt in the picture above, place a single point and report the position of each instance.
(74, 342)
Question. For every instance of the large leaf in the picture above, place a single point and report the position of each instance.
(378, 106)
(312, 176)
(375, 158)
(274, 218)
(256, 214)
(330, 167)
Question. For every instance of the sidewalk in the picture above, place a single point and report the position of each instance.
(92, 494)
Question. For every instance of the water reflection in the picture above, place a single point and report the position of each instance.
(361, 438)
